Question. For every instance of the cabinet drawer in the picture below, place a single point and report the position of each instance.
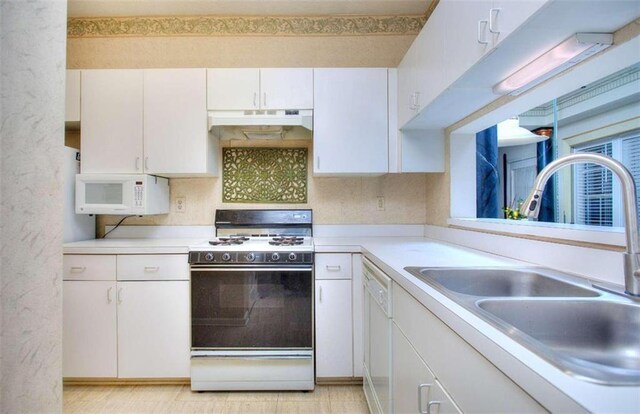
(153, 267)
(333, 266)
(88, 267)
(473, 382)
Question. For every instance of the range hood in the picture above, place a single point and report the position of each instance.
(262, 124)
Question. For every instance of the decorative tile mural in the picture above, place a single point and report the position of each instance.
(264, 175)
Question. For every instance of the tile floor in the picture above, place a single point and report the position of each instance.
(178, 399)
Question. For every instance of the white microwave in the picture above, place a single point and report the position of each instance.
(121, 194)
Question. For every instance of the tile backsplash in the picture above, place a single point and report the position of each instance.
(335, 200)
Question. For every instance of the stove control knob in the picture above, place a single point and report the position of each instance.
(250, 257)
(275, 257)
(292, 256)
(226, 257)
(208, 257)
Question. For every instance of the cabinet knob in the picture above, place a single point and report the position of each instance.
(109, 300)
(255, 97)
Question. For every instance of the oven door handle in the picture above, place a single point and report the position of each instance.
(251, 269)
(254, 357)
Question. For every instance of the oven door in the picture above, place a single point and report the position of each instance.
(247, 308)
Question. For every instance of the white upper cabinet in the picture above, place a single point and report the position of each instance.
(176, 139)
(507, 15)
(72, 97)
(256, 89)
(350, 121)
(150, 121)
(467, 40)
(112, 113)
(233, 89)
(286, 88)
(458, 35)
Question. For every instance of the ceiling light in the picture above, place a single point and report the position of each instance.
(565, 55)
(510, 133)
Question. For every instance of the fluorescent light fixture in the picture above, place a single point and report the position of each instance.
(510, 133)
(565, 55)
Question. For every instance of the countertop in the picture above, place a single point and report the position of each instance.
(131, 246)
(544, 382)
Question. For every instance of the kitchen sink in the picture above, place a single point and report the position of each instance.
(501, 282)
(588, 333)
(595, 339)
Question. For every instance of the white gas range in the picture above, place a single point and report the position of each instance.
(252, 303)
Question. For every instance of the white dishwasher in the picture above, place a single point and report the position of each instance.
(377, 338)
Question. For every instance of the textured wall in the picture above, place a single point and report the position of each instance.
(32, 61)
(237, 51)
(348, 200)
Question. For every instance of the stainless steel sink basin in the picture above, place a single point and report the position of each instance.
(588, 333)
(595, 339)
(501, 282)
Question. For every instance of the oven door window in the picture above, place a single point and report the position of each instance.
(251, 308)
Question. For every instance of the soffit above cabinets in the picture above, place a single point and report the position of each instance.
(103, 8)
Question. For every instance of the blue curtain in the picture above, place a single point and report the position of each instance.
(487, 177)
(545, 156)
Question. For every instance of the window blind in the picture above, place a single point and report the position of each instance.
(631, 160)
(594, 189)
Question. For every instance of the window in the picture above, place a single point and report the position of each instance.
(596, 192)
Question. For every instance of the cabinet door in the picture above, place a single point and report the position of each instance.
(414, 386)
(286, 88)
(175, 121)
(233, 89)
(379, 354)
(467, 37)
(334, 346)
(72, 97)
(350, 121)
(89, 347)
(153, 329)
(358, 347)
(507, 15)
(111, 139)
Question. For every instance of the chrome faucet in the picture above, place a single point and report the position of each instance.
(531, 207)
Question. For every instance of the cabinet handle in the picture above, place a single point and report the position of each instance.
(415, 101)
(137, 163)
(78, 269)
(119, 295)
(481, 24)
(151, 269)
(109, 300)
(318, 162)
(493, 17)
(255, 97)
(146, 163)
(431, 404)
(420, 387)
(264, 99)
(333, 268)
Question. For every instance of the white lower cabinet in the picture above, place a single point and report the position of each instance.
(125, 329)
(90, 347)
(472, 381)
(416, 388)
(153, 339)
(338, 310)
(334, 329)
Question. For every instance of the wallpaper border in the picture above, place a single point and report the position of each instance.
(91, 27)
